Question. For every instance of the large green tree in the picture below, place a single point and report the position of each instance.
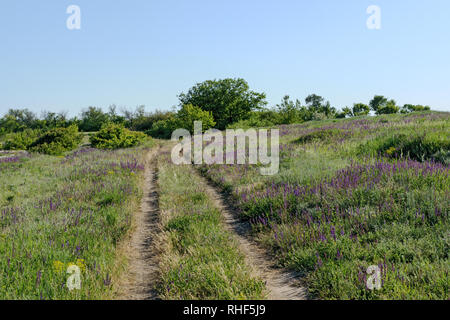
(229, 100)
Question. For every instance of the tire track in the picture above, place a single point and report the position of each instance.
(281, 284)
(138, 282)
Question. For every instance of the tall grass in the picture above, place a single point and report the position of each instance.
(201, 259)
(58, 211)
(344, 200)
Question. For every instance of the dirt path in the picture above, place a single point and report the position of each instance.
(281, 284)
(138, 281)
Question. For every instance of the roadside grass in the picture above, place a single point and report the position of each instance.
(201, 259)
(58, 211)
(343, 201)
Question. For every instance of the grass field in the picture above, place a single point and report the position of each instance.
(345, 199)
(350, 193)
(201, 260)
(57, 211)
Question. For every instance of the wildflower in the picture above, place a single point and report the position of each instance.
(58, 266)
(107, 281)
(81, 264)
(38, 278)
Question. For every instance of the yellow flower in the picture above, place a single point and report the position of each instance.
(81, 264)
(58, 265)
(390, 151)
(110, 172)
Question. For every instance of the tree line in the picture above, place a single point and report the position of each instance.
(220, 104)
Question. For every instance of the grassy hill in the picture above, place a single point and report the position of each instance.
(351, 194)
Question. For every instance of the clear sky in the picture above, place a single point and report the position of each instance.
(133, 52)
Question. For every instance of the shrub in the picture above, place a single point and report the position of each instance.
(163, 129)
(183, 119)
(189, 113)
(21, 140)
(57, 141)
(115, 136)
(407, 108)
(92, 119)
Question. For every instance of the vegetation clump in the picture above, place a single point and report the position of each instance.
(21, 140)
(116, 136)
(319, 135)
(433, 146)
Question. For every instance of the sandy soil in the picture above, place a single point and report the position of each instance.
(281, 284)
(138, 281)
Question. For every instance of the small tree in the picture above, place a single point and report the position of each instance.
(93, 119)
(360, 109)
(407, 108)
(316, 106)
(289, 111)
(377, 102)
(389, 108)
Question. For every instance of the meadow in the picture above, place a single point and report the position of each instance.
(201, 259)
(351, 194)
(57, 211)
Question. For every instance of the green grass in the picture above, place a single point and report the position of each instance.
(201, 259)
(344, 200)
(57, 211)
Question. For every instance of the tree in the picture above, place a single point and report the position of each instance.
(389, 108)
(407, 108)
(16, 120)
(113, 115)
(314, 102)
(377, 102)
(52, 120)
(289, 111)
(316, 107)
(360, 109)
(92, 119)
(346, 112)
(229, 100)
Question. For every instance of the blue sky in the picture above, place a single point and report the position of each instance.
(136, 52)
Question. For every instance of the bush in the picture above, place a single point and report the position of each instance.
(189, 113)
(21, 140)
(57, 141)
(115, 136)
(407, 108)
(163, 129)
(183, 119)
